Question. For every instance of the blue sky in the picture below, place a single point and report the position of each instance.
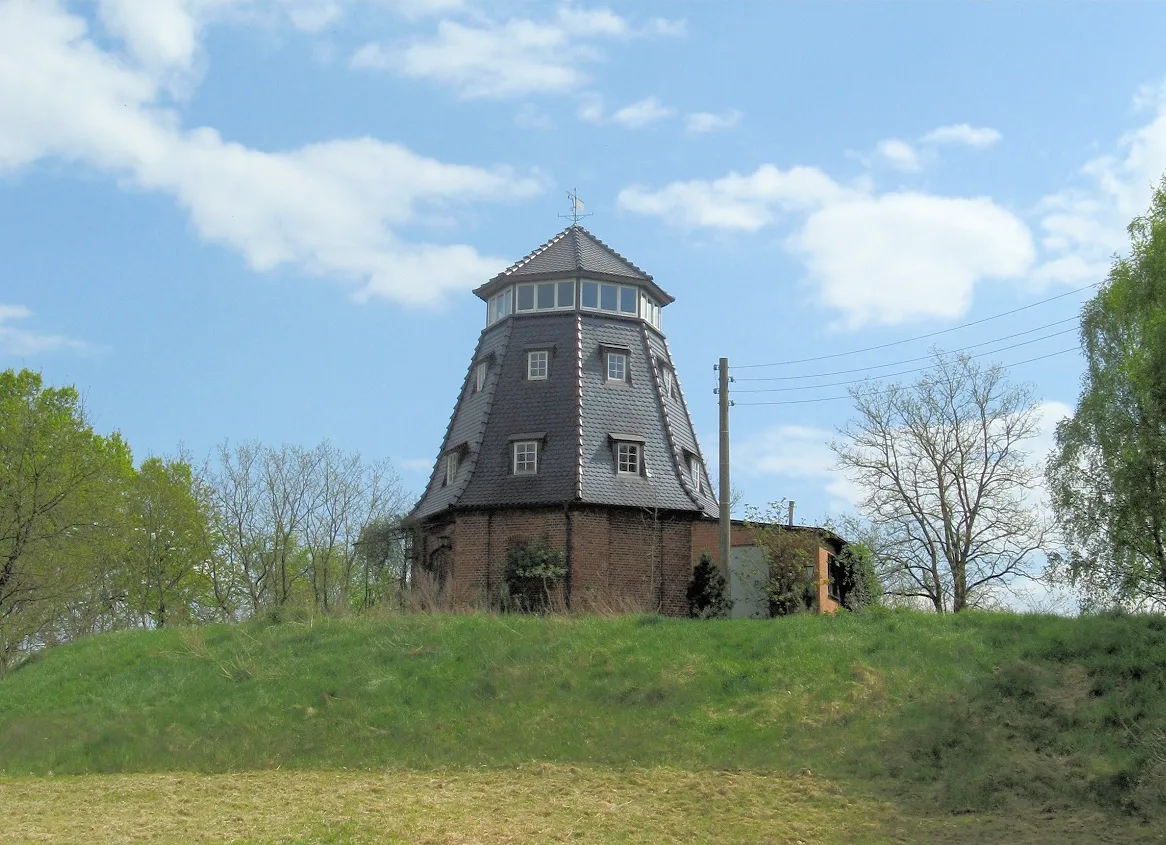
(236, 219)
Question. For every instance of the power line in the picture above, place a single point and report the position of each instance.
(901, 372)
(918, 337)
(911, 360)
(847, 396)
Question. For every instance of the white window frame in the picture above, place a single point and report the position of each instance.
(500, 306)
(649, 310)
(451, 466)
(619, 293)
(540, 373)
(556, 290)
(612, 357)
(628, 457)
(481, 371)
(524, 457)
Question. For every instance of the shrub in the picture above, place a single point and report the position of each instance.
(708, 594)
(860, 587)
(533, 570)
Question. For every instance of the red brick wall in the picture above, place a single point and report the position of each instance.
(622, 559)
(706, 538)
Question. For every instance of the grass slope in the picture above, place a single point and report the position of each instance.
(1017, 716)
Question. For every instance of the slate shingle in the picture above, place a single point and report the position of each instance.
(575, 411)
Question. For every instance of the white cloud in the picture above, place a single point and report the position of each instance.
(415, 464)
(899, 154)
(591, 108)
(635, 115)
(962, 133)
(19, 341)
(518, 57)
(736, 202)
(796, 453)
(667, 28)
(1085, 225)
(327, 209)
(900, 257)
(641, 113)
(703, 121)
(887, 258)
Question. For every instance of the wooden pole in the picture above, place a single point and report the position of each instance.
(726, 525)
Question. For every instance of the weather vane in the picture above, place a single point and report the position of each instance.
(576, 208)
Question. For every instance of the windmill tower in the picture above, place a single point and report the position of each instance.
(571, 427)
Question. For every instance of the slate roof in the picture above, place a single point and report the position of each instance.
(523, 406)
(576, 414)
(574, 252)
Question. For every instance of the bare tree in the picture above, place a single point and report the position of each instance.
(945, 478)
(240, 572)
(350, 494)
(288, 521)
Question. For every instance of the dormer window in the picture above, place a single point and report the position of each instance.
(667, 381)
(628, 451)
(627, 458)
(480, 372)
(525, 457)
(537, 364)
(696, 472)
(451, 464)
(617, 366)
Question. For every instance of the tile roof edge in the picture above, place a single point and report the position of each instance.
(618, 255)
(579, 405)
(673, 449)
(684, 406)
(490, 391)
(536, 253)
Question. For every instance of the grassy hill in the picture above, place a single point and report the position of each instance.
(1009, 716)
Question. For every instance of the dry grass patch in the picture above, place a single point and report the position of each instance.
(529, 804)
(537, 803)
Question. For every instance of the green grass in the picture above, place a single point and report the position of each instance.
(977, 713)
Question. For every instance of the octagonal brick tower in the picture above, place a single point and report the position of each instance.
(570, 426)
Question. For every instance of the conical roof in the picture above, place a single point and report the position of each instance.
(573, 252)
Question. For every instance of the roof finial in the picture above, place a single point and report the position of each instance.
(576, 208)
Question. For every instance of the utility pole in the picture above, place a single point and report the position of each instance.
(726, 525)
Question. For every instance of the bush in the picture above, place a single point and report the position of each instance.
(860, 587)
(791, 587)
(708, 594)
(533, 570)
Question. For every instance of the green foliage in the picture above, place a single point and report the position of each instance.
(1107, 475)
(961, 712)
(860, 587)
(708, 594)
(60, 506)
(167, 541)
(533, 571)
(380, 563)
(790, 555)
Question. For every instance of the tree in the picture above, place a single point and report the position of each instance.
(60, 488)
(790, 560)
(168, 543)
(290, 522)
(708, 594)
(1107, 473)
(943, 472)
